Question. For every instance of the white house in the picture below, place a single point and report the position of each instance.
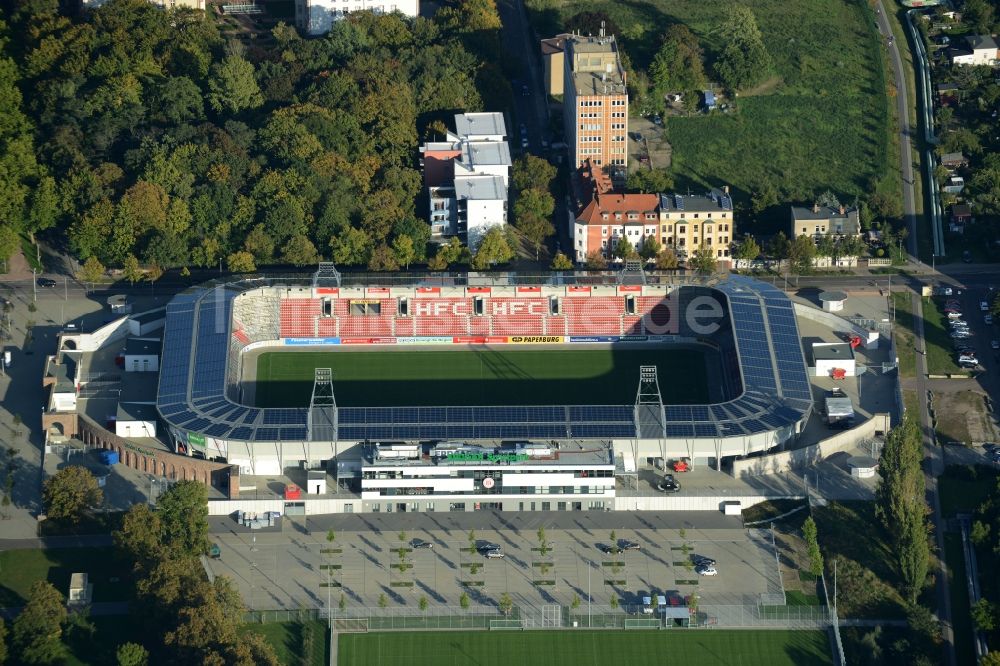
(830, 356)
(316, 17)
(467, 176)
(979, 50)
(134, 419)
(142, 354)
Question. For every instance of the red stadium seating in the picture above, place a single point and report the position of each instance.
(298, 317)
(580, 315)
(594, 315)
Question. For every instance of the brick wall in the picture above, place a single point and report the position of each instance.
(158, 462)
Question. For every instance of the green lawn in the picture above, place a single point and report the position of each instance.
(940, 354)
(903, 332)
(964, 488)
(110, 576)
(821, 122)
(487, 377)
(295, 642)
(586, 648)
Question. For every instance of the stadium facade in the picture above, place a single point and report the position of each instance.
(457, 457)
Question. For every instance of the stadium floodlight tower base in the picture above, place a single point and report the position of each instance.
(650, 416)
(632, 273)
(326, 275)
(322, 423)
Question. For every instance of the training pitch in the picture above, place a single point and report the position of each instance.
(586, 648)
(481, 377)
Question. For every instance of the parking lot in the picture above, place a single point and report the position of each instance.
(288, 569)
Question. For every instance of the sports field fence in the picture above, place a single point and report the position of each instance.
(484, 617)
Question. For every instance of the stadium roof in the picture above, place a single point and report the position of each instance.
(193, 381)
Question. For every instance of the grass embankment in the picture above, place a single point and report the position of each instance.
(821, 121)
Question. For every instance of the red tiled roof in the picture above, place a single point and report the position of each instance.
(613, 202)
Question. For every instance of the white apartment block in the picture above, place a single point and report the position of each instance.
(316, 17)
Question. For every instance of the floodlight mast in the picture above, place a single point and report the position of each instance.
(322, 420)
(647, 398)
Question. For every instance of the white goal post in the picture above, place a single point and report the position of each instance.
(642, 623)
(506, 624)
(351, 625)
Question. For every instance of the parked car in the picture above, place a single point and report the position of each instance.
(525, 91)
(954, 314)
(420, 543)
(486, 547)
(988, 320)
(494, 554)
(706, 570)
(984, 306)
(627, 545)
(47, 283)
(668, 484)
(657, 120)
(994, 344)
(701, 560)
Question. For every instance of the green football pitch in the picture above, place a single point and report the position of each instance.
(586, 648)
(480, 377)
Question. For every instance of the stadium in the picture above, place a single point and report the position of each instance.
(478, 395)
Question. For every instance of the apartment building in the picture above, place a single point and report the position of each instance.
(467, 178)
(162, 4)
(611, 216)
(817, 221)
(595, 102)
(691, 221)
(316, 17)
(553, 55)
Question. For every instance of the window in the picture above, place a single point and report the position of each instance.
(366, 308)
(681, 229)
(695, 230)
(696, 215)
(604, 230)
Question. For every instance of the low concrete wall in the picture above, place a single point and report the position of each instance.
(786, 461)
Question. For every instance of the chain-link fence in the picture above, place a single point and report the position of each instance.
(583, 616)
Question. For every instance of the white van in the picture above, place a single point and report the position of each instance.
(7, 356)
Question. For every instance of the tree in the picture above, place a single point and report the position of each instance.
(91, 271)
(745, 61)
(37, 632)
(809, 532)
(342, 604)
(748, 250)
(561, 262)
(979, 14)
(801, 254)
(132, 654)
(493, 249)
(353, 246)
(650, 248)
(241, 262)
(649, 181)
(69, 492)
(534, 201)
(331, 536)
(232, 86)
(536, 229)
(984, 615)
(666, 260)
(532, 171)
(702, 260)
(678, 65)
(624, 250)
(383, 601)
(596, 261)
(423, 603)
(299, 251)
(463, 601)
(506, 604)
(403, 250)
(183, 513)
(900, 504)
(614, 602)
(575, 603)
(779, 246)
(140, 536)
(131, 270)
